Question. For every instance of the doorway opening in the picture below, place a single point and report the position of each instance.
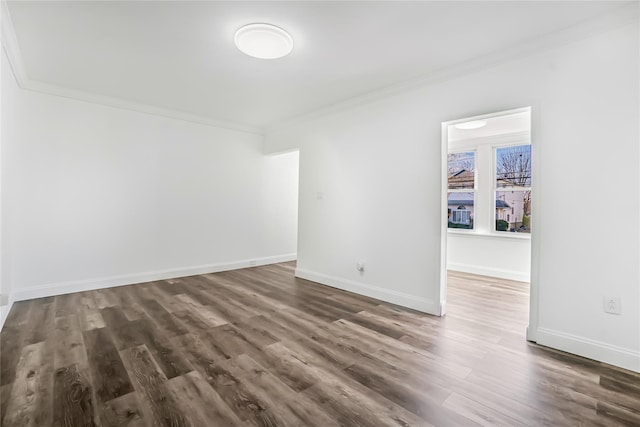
(281, 202)
(488, 214)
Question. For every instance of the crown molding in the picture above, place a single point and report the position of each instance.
(124, 104)
(621, 16)
(10, 44)
(11, 47)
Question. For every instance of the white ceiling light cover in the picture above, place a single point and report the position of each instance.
(264, 41)
(474, 124)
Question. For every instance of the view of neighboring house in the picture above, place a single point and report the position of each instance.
(513, 183)
(460, 209)
(512, 191)
(510, 207)
(461, 179)
(461, 184)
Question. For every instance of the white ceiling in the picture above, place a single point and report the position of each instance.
(498, 125)
(181, 56)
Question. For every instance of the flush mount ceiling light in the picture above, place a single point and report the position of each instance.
(264, 41)
(474, 124)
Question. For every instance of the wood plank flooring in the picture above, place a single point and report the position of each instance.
(258, 347)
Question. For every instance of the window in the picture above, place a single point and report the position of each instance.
(461, 216)
(488, 179)
(513, 188)
(461, 184)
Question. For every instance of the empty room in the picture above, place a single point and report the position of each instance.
(320, 213)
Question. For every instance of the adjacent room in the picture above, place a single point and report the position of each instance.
(319, 213)
(489, 195)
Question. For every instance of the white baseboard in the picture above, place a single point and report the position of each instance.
(61, 288)
(596, 350)
(4, 311)
(493, 272)
(394, 297)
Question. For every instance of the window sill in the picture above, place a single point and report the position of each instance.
(493, 235)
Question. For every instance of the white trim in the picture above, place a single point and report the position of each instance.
(4, 312)
(124, 104)
(461, 231)
(12, 48)
(621, 16)
(10, 45)
(592, 349)
(444, 215)
(491, 234)
(61, 288)
(505, 139)
(536, 216)
(518, 276)
(394, 297)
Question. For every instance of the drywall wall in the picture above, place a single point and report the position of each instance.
(8, 100)
(358, 202)
(490, 255)
(370, 188)
(97, 196)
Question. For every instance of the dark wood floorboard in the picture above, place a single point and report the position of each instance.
(259, 347)
(73, 400)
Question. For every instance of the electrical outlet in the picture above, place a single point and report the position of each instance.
(360, 266)
(612, 305)
(252, 262)
(4, 299)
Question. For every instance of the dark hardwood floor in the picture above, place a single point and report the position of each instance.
(257, 347)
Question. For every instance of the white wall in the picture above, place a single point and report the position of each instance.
(8, 98)
(490, 255)
(367, 173)
(96, 196)
(3, 304)
(379, 165)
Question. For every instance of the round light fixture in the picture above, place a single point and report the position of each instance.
(264, 41)
(474, 124)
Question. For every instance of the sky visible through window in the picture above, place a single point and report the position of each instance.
(461, 170)
(513, 166)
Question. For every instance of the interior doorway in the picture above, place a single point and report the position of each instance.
(281, 201)
(488, 202)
